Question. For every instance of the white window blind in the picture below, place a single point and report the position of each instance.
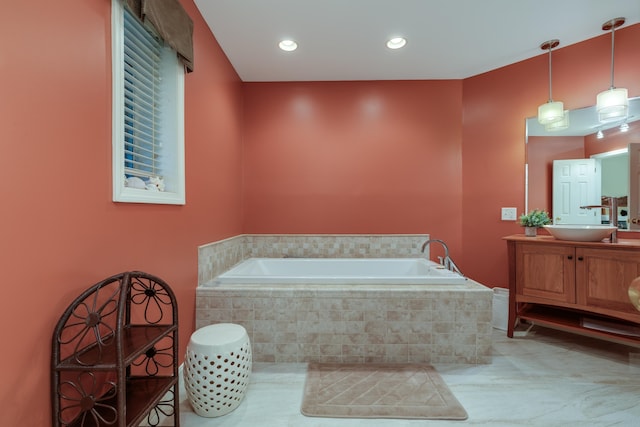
(142, 90)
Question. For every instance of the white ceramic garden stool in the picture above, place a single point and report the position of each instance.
(216, 368)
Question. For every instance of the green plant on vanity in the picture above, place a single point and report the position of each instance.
(533, 220)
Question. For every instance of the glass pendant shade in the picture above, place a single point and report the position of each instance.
(559, 125)
(550, 112)
(612, 105)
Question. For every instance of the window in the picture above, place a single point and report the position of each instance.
(148, 114)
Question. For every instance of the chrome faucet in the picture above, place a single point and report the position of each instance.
(613, 215)
(446, 262)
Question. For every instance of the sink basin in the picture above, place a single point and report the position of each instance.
(580, 233)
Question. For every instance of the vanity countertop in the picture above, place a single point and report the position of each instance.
(544, 238)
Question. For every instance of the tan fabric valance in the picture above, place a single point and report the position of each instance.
(171, 22)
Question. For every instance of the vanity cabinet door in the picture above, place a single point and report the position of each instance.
(546, 271)
(604, 276)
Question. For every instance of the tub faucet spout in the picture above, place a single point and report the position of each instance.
(613, 215)
(446, 262)
(444, 246)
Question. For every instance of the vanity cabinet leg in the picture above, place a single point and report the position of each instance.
(511, 254)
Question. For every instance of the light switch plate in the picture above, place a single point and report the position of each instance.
(509, 214)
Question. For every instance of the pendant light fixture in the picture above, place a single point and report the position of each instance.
(550, 112)
(612, 104)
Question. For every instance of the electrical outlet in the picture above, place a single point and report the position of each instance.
(509, 214)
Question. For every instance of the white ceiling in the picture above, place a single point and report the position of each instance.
(447, 39)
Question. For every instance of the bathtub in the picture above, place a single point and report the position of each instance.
(357, 271)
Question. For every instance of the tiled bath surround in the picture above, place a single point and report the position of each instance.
(322, 323)
(332, 325)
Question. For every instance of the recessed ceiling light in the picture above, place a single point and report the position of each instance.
(396, 43)
(288, 45)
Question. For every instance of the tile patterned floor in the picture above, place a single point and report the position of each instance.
(546, 378)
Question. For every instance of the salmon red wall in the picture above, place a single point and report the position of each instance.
(353, 157)
(60, 231)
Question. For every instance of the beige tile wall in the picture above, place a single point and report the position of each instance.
(217, 257)
(335, 246)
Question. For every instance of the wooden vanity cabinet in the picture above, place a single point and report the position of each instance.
(580, 287)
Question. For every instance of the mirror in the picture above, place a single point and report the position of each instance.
(580, 141)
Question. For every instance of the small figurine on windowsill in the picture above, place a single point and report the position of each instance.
(155, 183)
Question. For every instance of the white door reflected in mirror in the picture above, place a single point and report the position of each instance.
(576, 182)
